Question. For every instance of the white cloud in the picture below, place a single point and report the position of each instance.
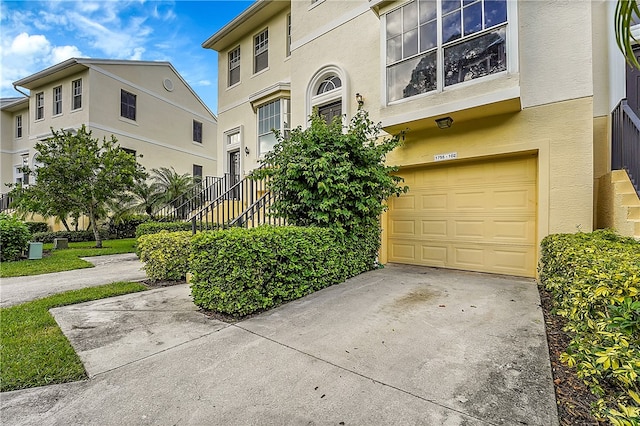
(204, 83)
(29, 45)
(137, 54)
(62, 53)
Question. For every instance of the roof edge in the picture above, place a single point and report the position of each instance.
(235, 23)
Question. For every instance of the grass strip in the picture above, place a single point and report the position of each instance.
(33, 349)
(67, 259)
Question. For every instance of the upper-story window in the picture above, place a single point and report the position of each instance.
(272, 116)
(18, 126)
(261, 51)
(57, 100)
(234, 66)
(289, 35)
(472, 41)
(76, 94)
(39, 106)
(127, 105)
(197, 131)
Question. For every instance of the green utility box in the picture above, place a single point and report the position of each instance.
(35, 251)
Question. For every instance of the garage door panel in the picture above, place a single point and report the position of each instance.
(479, 216)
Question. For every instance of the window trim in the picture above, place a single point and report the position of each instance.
(239, 146)
(76, 94)
(39, 110)
(288, 36)
(511, 48)
(265, 46)
(19, 126)
(135, 105)
(229, 69)
(57, 101)
(340, 93)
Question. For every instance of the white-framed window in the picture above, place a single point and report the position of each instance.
(432, 45)
(288, 35)
(197, 131)
(275, 115)
(76, 94)
(18, 126)
(261, 51)
(39, 106)
(234, 66)
(127, 105)
(233, 138)
(197, 173)
(57, 100)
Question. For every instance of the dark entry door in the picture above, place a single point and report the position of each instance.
(234, 171)
(330, 111)
(633, 85)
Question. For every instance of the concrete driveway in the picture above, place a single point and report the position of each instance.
(396, 346)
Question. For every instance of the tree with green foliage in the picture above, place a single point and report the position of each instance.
(80, 174)
(324, 176)
(171, 183)
(14, 237)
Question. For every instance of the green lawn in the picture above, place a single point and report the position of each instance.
(65, 260)
(33, 350)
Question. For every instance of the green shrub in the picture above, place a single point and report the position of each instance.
(35, 227)
(153, 227)
(240, 271)
(595, 283)
(14, 237)
(125, 227)
(72, 236)
(165, 254)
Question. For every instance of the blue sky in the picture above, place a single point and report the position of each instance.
(37, 34)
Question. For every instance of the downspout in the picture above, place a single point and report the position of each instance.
(16, 87)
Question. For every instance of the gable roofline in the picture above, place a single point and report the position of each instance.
(249, 19)
(75, 65)
(13, 104)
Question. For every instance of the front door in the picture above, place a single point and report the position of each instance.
(234, 171)
(330, 111)
(633, 85)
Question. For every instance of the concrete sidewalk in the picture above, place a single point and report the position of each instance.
(397, 346)
(108, 269)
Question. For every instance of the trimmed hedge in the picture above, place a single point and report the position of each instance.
(125, 227)
(241, 271)
(37, 227)
(72, 236)
(153, 227)
(165, 254)
(14, 237)
(595, 283)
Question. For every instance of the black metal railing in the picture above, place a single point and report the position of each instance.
(197, 196)
(625, 142)
(245, 203)
(258, 213)
(5, 202)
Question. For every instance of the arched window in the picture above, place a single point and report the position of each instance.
(328, 84)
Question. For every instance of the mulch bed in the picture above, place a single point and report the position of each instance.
(572, 395)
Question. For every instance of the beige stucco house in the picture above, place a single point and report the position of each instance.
(504, 106)
(147, 106)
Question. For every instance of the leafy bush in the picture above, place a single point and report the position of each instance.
(240, 271)
(595, 282)
(165, 254)
(35, 227)
(153, 227)
(14, 237)
(72, 236)
(125, 227)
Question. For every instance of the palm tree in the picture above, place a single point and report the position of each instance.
(171, 184)
(627, 14)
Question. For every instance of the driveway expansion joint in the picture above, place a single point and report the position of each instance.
(422, 398)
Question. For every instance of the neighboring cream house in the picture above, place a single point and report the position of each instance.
(147, 106)
(504, 107)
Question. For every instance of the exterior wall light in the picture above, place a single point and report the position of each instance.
(246, 150)
(359, 100)
(444, 123)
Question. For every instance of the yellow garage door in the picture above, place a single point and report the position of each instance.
(478, 216)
